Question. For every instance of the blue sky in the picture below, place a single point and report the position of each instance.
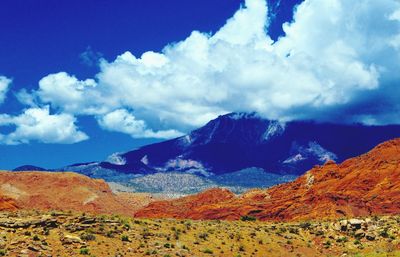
(43, 37)
(83, 79)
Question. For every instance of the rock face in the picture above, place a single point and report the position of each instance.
(180, 208)
(364, 185)
(7, 204)
(59, 191)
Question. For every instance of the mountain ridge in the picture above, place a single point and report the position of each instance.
(365, 185)
(240, 141)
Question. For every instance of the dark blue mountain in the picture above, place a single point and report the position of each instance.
(238, 141)
(29, 168)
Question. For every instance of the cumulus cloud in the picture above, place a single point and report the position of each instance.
(4, 85)
(37, 124)
(338, 61)
(122, 121)
(66, 92)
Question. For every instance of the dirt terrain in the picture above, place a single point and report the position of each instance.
(34, 234)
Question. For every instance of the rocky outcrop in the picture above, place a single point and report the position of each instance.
(7, 204)
(60, 191)
(178, 208)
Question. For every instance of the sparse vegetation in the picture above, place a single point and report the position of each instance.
(110, 236)
(84, 251)
(88, 236)
(125, 238)
(208, 251)
(248, 218)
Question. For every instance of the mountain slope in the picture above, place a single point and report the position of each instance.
(364, 185)
(59, 191)
(7, 204)
(238, 141)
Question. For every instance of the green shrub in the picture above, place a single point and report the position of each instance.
(342, 239)
(125, 238)
(87, 236)
(327, 244)
(84, 251)
(203, 236)
(305, 225)
(208, 251)
(384, 233)
(248, 218)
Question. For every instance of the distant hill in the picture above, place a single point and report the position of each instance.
(29, 168)
(62, 191)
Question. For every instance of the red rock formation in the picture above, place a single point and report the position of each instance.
(364, 185)
(186, 207)
(58, 191)
(7, 204)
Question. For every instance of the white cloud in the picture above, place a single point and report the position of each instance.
(37, 124)
(122, 121)
(4, 85)
(336, 56)
(67, 92)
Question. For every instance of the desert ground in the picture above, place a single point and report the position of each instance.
(34, 233)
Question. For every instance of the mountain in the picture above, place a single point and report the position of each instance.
(237, 148)
(360, 186)
(61, 191)
(238, 141)
(29, 168)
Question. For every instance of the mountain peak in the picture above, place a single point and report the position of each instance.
(240, 140)
(239, 127)
(241, 115)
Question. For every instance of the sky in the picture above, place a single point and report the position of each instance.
(80, 80)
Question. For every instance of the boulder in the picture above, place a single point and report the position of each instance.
(337, 226)
(355, 223)
(70, 239)
(359, 234)
(370, 236)
(343, 225)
